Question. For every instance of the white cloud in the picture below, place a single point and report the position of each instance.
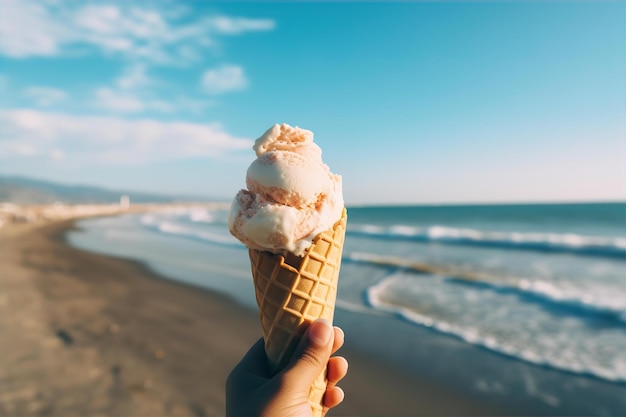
(238, 25)
(224, 79)
(29, 28)
(125, 101)
(134, 91)
(118, 101)
(192, 105)
(45, 96)
(134, 77)
(18, 149)
(57, 154)
(109, 140)
(129, 93)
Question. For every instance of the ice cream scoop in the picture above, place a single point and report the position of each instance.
(292, 195)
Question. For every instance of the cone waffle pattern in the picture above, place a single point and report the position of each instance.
(294, 291)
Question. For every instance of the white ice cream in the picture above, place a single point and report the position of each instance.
(292, 196)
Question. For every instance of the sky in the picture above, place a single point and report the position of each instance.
(412, 102)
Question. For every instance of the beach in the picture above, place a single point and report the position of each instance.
(85, 334)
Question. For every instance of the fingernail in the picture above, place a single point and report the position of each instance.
(341, 331)
(320, 332)
(342, 395)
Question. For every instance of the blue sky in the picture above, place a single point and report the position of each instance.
(421, 102)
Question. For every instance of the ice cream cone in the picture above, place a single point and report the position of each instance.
(294, 291)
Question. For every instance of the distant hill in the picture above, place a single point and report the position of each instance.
(22, 190)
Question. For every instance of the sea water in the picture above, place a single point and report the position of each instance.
(541, 285)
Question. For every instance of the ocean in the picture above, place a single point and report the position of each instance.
(521, 304)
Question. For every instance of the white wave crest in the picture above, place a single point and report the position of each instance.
(202, 216)
(602, 299)
(172, 228)
(600, 245)
(503, 326)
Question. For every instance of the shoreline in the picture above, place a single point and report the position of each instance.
(110, 336)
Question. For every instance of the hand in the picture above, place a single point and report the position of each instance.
(252, 391)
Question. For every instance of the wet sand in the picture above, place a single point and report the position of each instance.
(83, 334)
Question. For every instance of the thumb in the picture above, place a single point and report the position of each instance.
(311, 355)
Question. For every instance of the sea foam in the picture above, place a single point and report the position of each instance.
(503, 325)
(547, 242)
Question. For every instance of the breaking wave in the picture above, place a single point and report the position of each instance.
(611, 307)
(172, 228)
(474, 318)
(545, 242)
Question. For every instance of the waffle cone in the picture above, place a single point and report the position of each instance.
(292, 292)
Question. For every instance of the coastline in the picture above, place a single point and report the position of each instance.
(108, 336)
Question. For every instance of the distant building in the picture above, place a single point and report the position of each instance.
(125, 201)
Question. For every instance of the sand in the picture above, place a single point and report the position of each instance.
(88, 335)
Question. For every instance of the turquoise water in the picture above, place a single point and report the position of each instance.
(543, 286)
